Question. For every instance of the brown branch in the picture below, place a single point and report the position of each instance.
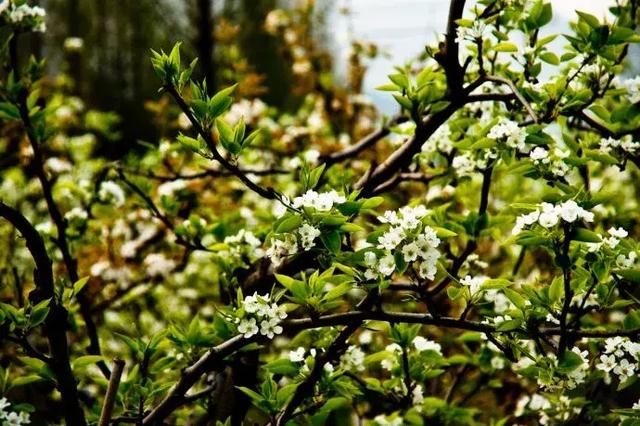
(112, 392)
(565, 261)
(333, 352)
(191, 374)
(471, 244)
(268, 193)
(56, 321)
(206, 173)
(158, 214)
(449, 50)
(61, 227)
(402, 157)
(364, 143)
(516, 93)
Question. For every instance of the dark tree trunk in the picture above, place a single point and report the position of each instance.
(205, 40)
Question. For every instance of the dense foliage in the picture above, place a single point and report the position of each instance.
(471, 260)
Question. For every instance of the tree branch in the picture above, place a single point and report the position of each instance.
(61, 227)
(55, 323)
(516, 93)
(112, 393)
(268, 193)
(364, 143)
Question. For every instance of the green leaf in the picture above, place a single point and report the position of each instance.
(550, 58)
(85, 361)
(174, 56)
(332, 241)
(556, 289)
(9, 111)
(509, 325)
(79, 285)
(591, 20)
(632, 275)
(314, 176)
(505, 46)
(400, 80)
(515, 298)
(569, 361)
(443, 232)
(337, 291)
(372, 203)
(39, 313)
(282, 366)
(404, 102)
(632, 320)
(255, 396)
(545, 15)
(351, 227)
(454, 292)
(289, 224)
(285, 280)
(190, 143)
(252, 138)
(26, 380)
(587, 236)
(389, 87)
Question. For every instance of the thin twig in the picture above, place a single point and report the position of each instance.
(112, 392)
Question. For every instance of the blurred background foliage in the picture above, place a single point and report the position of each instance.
(99, 50)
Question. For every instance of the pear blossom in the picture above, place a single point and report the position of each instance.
(111, 193)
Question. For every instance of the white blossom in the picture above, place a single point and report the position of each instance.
(422, 344)
(352, 359)
(633, 89)
(260, 311)
(387, 265)
(539, 155)
(158, 265)
(308, 234)
(509, 132)
(320, 201)
(111, 193)
(473, 283)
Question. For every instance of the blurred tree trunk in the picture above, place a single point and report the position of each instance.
(205, 41)
(74, 58)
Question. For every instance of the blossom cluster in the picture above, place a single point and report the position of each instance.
(258, 314)
(243, 244)
(474, 284)
(299, 355)
(477, 31)
(421, 344)
(440, 140)
(76, 217)
(549, 215)
(23, 16)
(626, 144)
(551, 378)
(304, 236)
(404, 235)
(620, 357)
(548, 413)
(352, 359)
(633, 89)
(287, 245)
(510, 133)
(323, 201)
(12, 418)
(553, 160)
(158, 265)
